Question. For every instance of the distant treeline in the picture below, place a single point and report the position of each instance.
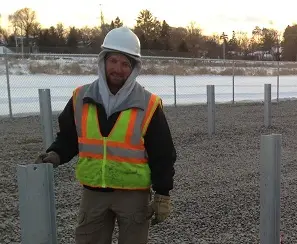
(157, 38)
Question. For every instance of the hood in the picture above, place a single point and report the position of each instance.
(110, 101)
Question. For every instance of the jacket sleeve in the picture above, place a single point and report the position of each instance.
(66, 142)
(161, 153)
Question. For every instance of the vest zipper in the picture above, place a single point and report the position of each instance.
(104, 162)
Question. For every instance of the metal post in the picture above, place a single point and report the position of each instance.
(224, 50)
(22, 42)
(8, 83)
(233, 88)
(270, 161)
(267, 105)
(277, 82)
(174, 83)
(211, 109)
(46, 116)
(37, 203)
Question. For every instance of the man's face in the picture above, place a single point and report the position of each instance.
(118, 69)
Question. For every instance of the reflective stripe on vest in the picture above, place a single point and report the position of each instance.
(118, 160)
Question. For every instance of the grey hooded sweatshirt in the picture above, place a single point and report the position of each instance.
(110, 101)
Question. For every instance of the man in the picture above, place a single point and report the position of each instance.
(125, 148)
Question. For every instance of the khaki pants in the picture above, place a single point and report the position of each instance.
(99, 210)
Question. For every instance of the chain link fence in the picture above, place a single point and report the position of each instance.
(178, 81)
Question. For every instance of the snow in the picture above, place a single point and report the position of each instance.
(76, 64)
(189, 89)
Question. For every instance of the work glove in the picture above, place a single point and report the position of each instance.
(50, 157)
(160, 207)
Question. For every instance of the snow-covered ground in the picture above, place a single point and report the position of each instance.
(189, 89)
(87, 65)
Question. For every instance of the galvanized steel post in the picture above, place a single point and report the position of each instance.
(233, 81)
(37, 203)
(46, 116)
(211, 109)
(270, 161)
(8, 82)
(174, 83)
(267, 105)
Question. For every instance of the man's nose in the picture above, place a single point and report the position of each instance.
(118, 68)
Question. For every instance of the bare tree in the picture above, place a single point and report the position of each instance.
(86, 35)
(3, 35)
(193, 29)
(243, 42)
(194, 38)
(24, 21)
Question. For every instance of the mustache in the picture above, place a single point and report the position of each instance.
(116, 75)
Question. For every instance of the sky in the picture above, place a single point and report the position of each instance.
(213, 16)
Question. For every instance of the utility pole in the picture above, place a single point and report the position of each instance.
(102, 24)
(101, 16)
(0, 28)
(278, 59)
(224, 37)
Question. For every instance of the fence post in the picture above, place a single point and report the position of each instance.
(277, 82)
(267, 105)
(46, 116)
(174, 83)
(7, 80)
(270, 161)
(211, 109)
(37, 203)
(233, 85)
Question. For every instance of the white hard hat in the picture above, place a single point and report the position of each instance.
(122, 39)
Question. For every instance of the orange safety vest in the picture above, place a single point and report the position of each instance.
(119, 160)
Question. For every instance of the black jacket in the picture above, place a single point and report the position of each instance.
(158, 144)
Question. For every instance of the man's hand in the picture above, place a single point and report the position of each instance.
(51, 157)
(161, 207)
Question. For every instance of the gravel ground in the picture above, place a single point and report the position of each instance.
(217, 192)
